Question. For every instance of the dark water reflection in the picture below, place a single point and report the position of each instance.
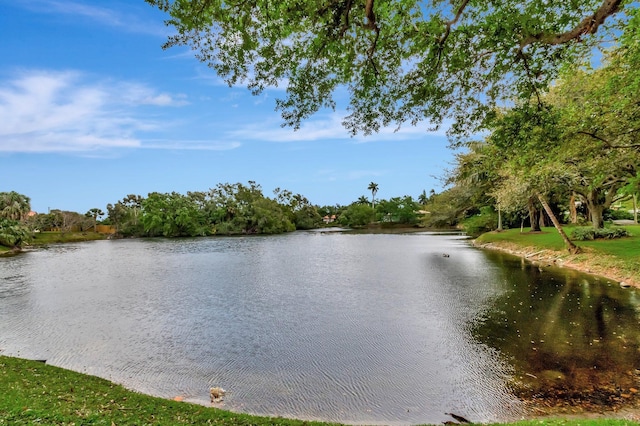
(570, 337)
(351, 328)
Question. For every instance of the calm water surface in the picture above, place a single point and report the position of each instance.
(372, 328)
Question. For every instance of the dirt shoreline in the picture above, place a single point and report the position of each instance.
(586, 261)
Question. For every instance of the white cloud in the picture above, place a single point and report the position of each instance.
(99, 14)
(201, 145)
(327, 127)
(138, 94)
(42, 111)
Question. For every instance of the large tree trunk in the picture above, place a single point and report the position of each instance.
(596, 203)
(534, 215)
(541, 221)
(572, 248)
(573, 212)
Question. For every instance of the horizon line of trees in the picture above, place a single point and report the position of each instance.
(233, 209)
(226, 209)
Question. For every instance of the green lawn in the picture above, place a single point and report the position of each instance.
(620, 256)
(624, 248)
(627, 248)
(547, 239)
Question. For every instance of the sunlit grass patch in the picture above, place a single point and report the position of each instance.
(617, 258)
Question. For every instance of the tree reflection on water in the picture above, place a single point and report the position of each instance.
(572, 340)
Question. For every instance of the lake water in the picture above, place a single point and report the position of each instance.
(355, 328)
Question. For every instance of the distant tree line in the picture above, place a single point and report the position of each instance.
(395, 211)
(235, 209)
(227, 209)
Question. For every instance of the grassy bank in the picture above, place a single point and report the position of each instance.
(615, 259)
(36, 393)
(42, 238)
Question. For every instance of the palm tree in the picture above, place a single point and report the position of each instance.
(422, 198)
(95, 213)
(14, 206)
(373, 187)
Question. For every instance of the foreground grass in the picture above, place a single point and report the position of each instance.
(616, 259)
(36, 393)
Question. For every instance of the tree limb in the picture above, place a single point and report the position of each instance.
(588, 25)
(452, 22)
(371, 16)
(593, 135)
(345, 25)
(449, 24)
(372, 25)
(609, 144)
(523, 57)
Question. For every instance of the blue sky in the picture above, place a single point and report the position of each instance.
(92, 109)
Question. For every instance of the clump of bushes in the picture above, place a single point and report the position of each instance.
(618, 215)
(480, 223)
(590, 233)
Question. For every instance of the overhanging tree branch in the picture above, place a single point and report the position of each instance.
(373, 25)
(448, 25)
(593, 135)
(609, 144)
(452, 22)
(588, 25)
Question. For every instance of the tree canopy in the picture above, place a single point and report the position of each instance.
(14, 208)
(400, 62)
(575, 144)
